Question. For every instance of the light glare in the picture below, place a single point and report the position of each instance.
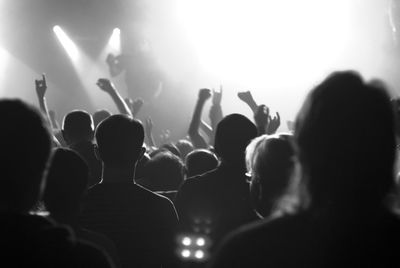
(200, 242)
(67, 43)
(115, 41)
(199, 254)
(186, 241)
(185, 253)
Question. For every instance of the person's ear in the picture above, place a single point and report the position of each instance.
(97, 152)
(256, 191)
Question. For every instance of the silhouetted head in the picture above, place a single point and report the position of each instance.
(270, 162)
(233, 134)
(25, 144)
(120, 141)
(200, 161)
(185, 147)
(163, 172)
(99, 116)
(67, 181)
(171, 148)
(346, 140)
(77, 127)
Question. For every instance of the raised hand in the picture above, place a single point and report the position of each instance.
(41, 86)
(261, 118)
(217, 96)
(136, 105)
(105, 85)
(273, 124)
(204, 94)
(247, 98)
(165, 136)
(148, 126)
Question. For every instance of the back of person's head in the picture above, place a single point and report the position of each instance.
(233, 134)
(99, 116)
(185, 147)
(270, 162)
(171, 148)
(163, 172)
(120, 141)
(25, 144)
(67, 181)
(200, 161)
(346, 139)
(77, 127)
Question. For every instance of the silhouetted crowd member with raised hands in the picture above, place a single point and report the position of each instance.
(346, 147)
(220, 197)
(141, 223)
(29, 239)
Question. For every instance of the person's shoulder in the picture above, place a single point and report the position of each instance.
(152, 196)
(200, 180)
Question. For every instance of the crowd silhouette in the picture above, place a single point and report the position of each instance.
(100, 192)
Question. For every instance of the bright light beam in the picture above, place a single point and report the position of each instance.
(115, 41)
(67, 43)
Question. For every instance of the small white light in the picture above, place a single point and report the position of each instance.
(200, 242)
(186, 241)
(199, 254)
(185, 253)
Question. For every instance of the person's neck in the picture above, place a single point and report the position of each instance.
(117, 174)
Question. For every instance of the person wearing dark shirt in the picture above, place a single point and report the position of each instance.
(141, 223)
(78, 132)
(29, 240)
(345, 137)
(218, 201)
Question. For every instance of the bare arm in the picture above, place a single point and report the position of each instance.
(41, 88)
(149, 132)
(106, 85)
(215, 111)
(247, 98)
(197, 140)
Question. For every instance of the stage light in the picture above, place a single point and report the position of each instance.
(245, 42)
(199, 254)
(185, 253)
(67, 43)
(115, 41)
(186, 241)
(200, 242)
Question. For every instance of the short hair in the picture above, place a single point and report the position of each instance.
(270, 159)
(347, 126)
(25, 150)
(67, 181)
(200, 161)
(99, 116)
(78, 126)
(185, 147)
(120, 140)
(233, 134)
(163, 172)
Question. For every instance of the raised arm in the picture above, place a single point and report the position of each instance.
(215, 111)
(149, 132)
(194, 134)
(261, 117)
(41, 88)
(108, 87)
(247, 98)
